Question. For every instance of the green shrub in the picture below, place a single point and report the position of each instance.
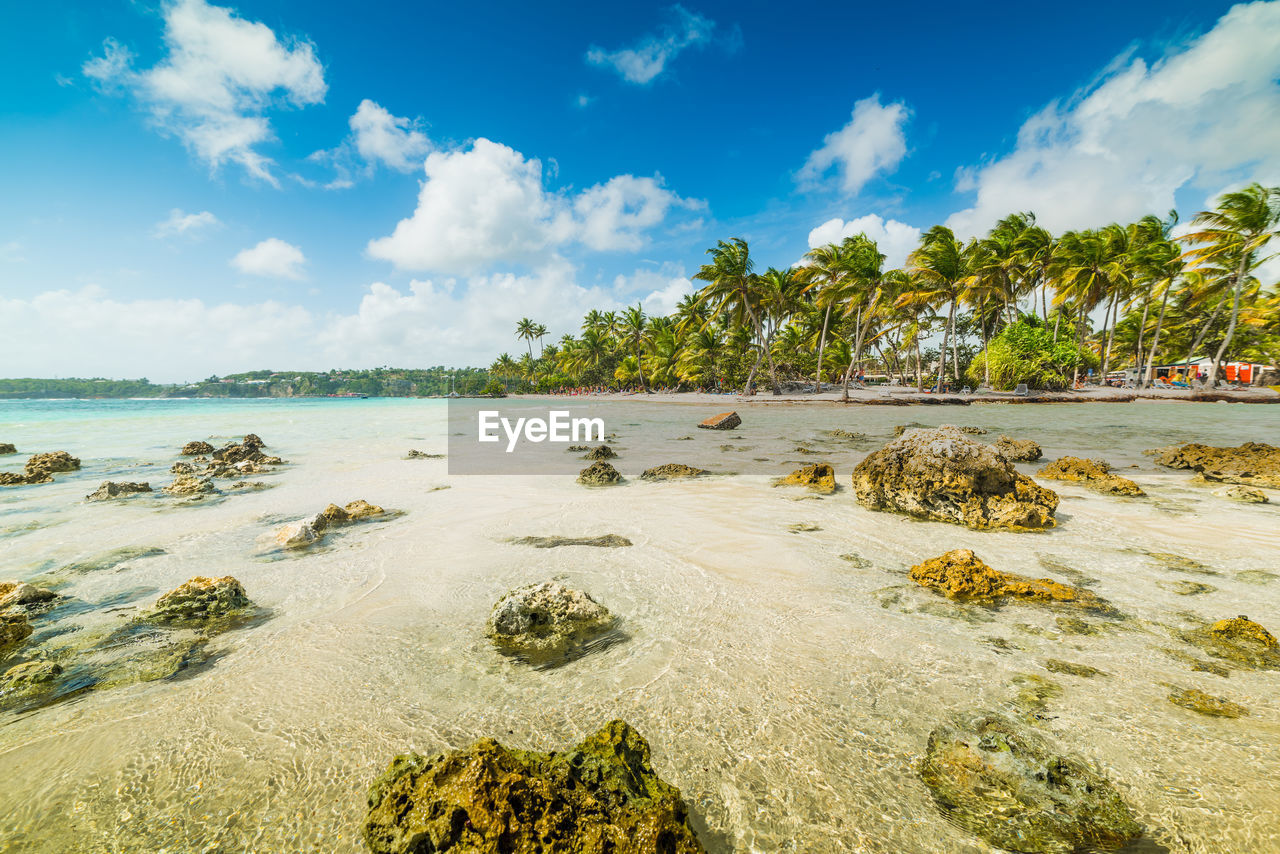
(494, 388)
(1025, 353)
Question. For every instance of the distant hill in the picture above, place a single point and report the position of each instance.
(375, 382)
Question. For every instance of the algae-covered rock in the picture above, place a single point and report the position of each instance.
(721, 421)
(1252, 464)
(130, 658)
(672, 471)
(547, 624)
(7, 448)
(1018, 450)
(14, 629)
(1009, 786)
(199, 600)
(1055, 665)
(845, 434)
(332, 515)
(20, 594)
(29, 677)
(361, 509)
(1186, 588)
(600, 796)
(602, 452)
(54, 461)
(415, 454)
(599, 473)
(960, 574)
(1076, 626)
(182, 468)
(819, 477)
(972, 431)
(1095, 474)
(192, 449)
(604, 541)
(111, 489)
(186, 484)
(1243, 494)
(945, 476)
(1239, 640)
(1206, 704)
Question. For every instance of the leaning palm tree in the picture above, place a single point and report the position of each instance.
(1235, 237)
(826, 268)
(637, 334)
(734, 290)
(539, 331)
(940, 267)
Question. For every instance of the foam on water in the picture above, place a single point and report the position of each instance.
(786, 690)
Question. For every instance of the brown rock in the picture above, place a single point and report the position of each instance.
(14, 629)
(361, 509)
(200, 599)
(959, 574)
(723, 421)
(1018, 450)
(20, 594)
(111, 489)
(6, 448)
(599, 473)
(1252, 464)
(672, 471)
(819, 477)
(192, 449)
(1095, 474)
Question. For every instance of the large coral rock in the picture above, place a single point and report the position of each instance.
(112, 489)
(960, 574)
(672, 471)
(819, 477)
(547, 623)
(601, 796)
(25, 677)
(199, 600)
(1243, 494)
(722, 421)
(1095, 474)
(1006, 784)
(361, 509)
(1018, 450)
(249, 450)
(1239, 640)
(599, 473)
(19, 594)
(196, 448)
(943, 475)
(187, 484)
(14, 629)
(40, 468)
(1253, 463)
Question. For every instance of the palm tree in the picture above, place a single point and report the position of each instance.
(538, 332)
(1091, 267)
(827, 266)
(1234, 236)
(635, 329)
(526, 330)
(735, 290)
(940, 267)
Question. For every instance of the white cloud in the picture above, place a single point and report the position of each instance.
(648, 58)
(382, 137)
(1200, 118)
(220, 76)
(180, 223)
(895, 239)
(665, 286)
(872, 142)
(488, 205)
(271, 257)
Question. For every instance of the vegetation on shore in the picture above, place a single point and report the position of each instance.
(1018, 305)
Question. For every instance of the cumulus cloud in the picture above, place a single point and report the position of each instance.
(220, 76)
(180, 223)
(380, 137)
(648, 58)
(271, 257)
(1200, 118)
(895, 239)
(872, 142)
(488, 205)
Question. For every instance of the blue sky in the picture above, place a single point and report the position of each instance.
(192, 188)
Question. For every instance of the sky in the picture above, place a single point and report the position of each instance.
(189, 188)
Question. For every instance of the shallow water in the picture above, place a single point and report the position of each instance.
(787, 690)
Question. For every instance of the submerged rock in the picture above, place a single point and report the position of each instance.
(192, 449)
(672, 471)
(1055, 665)
(1186, 588)
(973, 431)
(1095, 474)
(721, 421)
(1206, 704)
(1018, 450)
(604, 541)
(14, 629)
(1243, 494)
(7, 448)
(546, 624)
(600, 796)
(182, 468)
(819, 477)
(1252, 464)
(29, 678)
(415, 454)
(1239, 640)
(899, 429)
(300, 534)
(19, 594)
(187, 484)
(599, 473)
(112, 489)
(845, 434)
(943, 475)
(603, 452)
(199, 600)
(1009, 786)
(959, 574)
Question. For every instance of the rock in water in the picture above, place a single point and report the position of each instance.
(546, 624)
(1240, 640)
(820, 477)
(6, 448)
(943, 475)
(332, 515)
(300, 534)
(199, 600)
(1206, 704)
(604, 452)
(672, 471)
(361, 509)
(29, 677)
(1095, 474)
(111, 489)
(40, 468)
(1018, 450)
(723, 421)
(604, 541)
(192, 449)
(1252, 464)
(601, 796)
(959, 574)
(1006, 784)
(14, 629)
(187, 484)
(599, 473)
(19, 594)
(1244, 494)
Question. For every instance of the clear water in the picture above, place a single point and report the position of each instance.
(787, 690)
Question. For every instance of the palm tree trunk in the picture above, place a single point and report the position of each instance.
(1142, 332)
(1114, 308)
(640, 370)
(822, 341)
(1203, 332)
(1235, 317)
(955, 352)
(942, 354)
(1149, 368)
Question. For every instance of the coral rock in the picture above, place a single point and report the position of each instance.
(1206, 704)
(111, 489)
(199, 600)
(1252, 464)
(1095, 474)
(599, 473)
(19, 594)
(192, 449)
(1018, 450)
(722, 421)
(820, 477)
(547, 623)
(672, 471)
(959, 574)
